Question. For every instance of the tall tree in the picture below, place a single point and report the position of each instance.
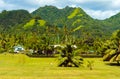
(113, 52)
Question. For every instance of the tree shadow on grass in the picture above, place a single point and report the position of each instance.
(112, 64)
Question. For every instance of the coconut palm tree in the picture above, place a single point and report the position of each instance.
(113, 48)
(69, 58)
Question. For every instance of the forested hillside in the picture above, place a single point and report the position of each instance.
(68, 16)
(74, 17)
(49, 25)
(114, 21)
(8, 19)
(59, 17)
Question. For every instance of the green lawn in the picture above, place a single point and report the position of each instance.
(22, 67)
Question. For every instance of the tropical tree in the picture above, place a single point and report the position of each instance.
(69, 58)
(112, 52)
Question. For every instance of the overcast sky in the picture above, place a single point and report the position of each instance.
(98, 9)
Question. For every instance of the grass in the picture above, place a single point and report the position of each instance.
(20, 66)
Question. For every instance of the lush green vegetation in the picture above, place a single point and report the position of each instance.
(9, 19)
(69, 58)
(74, 17)
(113, 52)
(49, 26)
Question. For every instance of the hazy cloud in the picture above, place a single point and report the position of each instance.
(2, 3)
(98, 14)
(41, 2)
(115, 4)
(99, 9)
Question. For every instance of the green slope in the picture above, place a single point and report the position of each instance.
(72, 18)
(14, 17)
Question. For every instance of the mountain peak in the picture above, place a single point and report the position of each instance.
(56, 16)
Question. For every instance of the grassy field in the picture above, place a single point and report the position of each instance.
(22, 67)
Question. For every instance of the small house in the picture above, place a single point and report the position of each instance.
(18, 49)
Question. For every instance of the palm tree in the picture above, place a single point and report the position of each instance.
(69, 58)
(113, 52)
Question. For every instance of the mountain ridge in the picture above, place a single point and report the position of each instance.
(68, 16)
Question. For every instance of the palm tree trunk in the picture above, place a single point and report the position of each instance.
(118, 63)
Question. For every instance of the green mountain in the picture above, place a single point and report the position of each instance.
(59, 17)
(114, 20)
(53, 15)
(9, 19)
(73, 19)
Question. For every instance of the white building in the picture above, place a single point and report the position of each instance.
(18, 49)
